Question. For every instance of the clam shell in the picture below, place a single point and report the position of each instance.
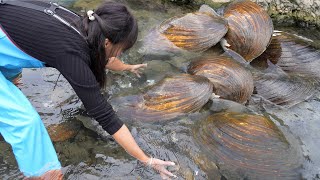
(292, 54)
(194, 32)
(247, 146)
(250, 29)
(272, 54)
(169, 98)
(285, 91)
(230, 80)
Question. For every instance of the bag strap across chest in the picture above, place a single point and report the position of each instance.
(51, 11)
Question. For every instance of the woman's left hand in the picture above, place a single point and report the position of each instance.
(137, 68)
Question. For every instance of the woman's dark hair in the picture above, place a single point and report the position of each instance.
(112, 21)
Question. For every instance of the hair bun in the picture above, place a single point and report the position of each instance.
(90, 15)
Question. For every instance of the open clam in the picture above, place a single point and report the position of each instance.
(250, 29)
(248, 146)
(169, 98)
(194, 32)
(230, 80)
(292, 54)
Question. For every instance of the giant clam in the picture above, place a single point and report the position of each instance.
(284, 90)
(194, 32)
(292, 54)
(297, 63)
(250, 29)
(169, 98)
(247, 146)
(230, 80)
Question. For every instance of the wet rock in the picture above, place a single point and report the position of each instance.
(93, 125)
(157, 70)
(303, 120)
(64, 131)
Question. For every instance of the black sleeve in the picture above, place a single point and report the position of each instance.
(72, 66)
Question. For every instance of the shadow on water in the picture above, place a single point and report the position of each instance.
(86, 152)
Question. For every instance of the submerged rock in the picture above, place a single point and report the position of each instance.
(64, 131)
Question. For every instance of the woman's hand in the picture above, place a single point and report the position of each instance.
(160, 167)
(125, 139)
(116, 64)
(137, 68)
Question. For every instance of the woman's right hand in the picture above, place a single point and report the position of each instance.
(160, 167)
(136, 68)
(125, 139)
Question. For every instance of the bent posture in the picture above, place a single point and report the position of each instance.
(81, 49)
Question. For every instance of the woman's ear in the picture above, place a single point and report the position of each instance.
(106, 43)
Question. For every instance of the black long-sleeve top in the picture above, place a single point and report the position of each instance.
(48, 40)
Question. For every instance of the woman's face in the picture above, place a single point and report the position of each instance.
(113, 50)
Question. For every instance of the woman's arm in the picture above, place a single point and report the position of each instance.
(125, 139)
(116, 64)
(84, 83)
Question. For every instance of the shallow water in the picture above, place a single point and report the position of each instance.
(92, 154)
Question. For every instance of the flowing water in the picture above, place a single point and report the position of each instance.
(87, 152)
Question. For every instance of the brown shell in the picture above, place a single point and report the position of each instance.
(285, 91)
(250, 28)
(230, 80)
(292, 54)
(247, 146)
(194, 32)
(169, 98)
(272, 54)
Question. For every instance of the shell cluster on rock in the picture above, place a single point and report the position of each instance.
(252, 58)
(247, 147)
(246, 34)
(280, 67)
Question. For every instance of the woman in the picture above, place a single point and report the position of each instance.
(30, 38)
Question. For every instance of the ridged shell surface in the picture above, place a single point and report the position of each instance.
(169, 98)
(250, 28)
(247, 146)
(285, 91)
(231, 81)
(195, 32)
(292, 54)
